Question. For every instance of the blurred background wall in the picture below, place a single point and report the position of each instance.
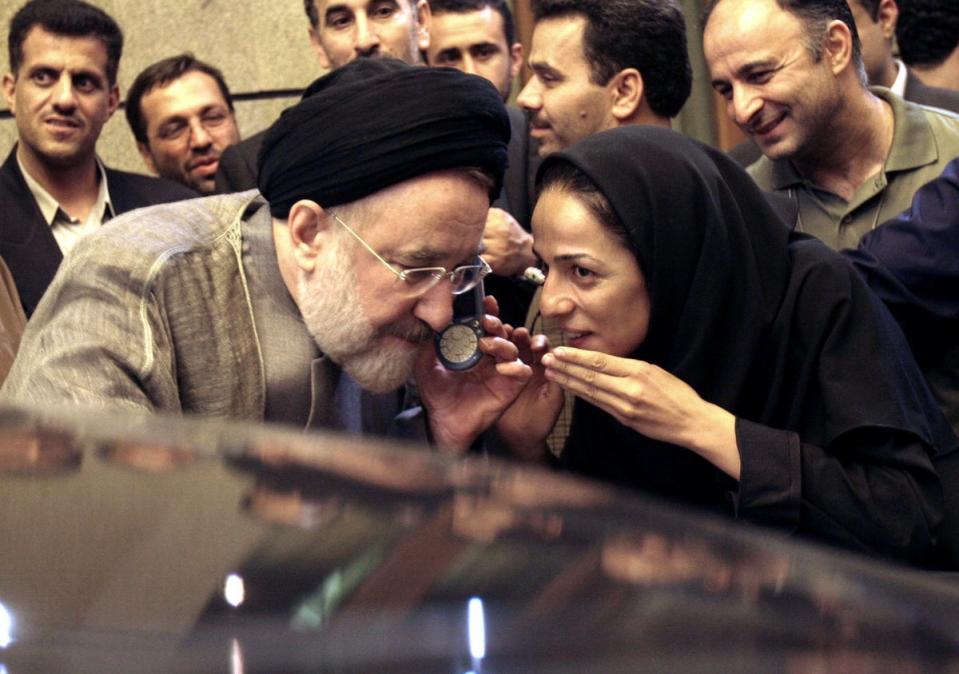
(264, 52)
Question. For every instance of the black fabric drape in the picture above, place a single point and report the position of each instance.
(768, 324)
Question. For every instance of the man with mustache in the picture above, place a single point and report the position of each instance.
(62, 89)
(341, 31)
(181, 114)
(311, 301)
(599, 64)
(793, 78)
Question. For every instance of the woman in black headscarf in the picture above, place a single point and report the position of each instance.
(720, 360)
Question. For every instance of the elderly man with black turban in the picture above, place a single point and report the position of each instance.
(312, 300)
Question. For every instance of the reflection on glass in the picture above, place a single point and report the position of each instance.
(234, 591)
(236, 658)
(6, 627)
(477, 628)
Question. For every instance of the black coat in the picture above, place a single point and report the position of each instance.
(837, 432)
(27, 243)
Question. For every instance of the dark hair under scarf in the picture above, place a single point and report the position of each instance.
(747, 313)
(376, 122)
(712, 250)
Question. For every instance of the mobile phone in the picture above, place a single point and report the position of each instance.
(457, 345)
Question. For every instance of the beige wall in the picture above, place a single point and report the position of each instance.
(262, 46)
(258, 45)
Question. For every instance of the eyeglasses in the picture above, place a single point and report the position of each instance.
(421, 279)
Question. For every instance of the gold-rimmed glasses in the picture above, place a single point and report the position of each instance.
(421, 279)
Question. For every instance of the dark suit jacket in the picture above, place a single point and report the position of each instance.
(917, 92)
(237, 169)
(26, 241)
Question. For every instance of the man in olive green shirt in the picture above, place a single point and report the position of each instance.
(850, 156)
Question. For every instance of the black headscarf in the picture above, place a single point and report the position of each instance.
(770, 325)
(376, 122)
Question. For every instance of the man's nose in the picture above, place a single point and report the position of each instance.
(367, 40)
(745, 104)
(199, 137)
(64, 95)
(469, 65)
(435, 306)
(529, 97)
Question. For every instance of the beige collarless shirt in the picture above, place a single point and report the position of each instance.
(66, 229)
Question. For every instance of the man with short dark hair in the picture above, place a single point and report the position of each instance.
(341, 31)
(61, 88)
(793, 78)
(478, 37)
(181, 113)
(599, 64)
(311, 301)
(928, 38)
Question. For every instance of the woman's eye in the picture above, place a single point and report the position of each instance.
(582, 272)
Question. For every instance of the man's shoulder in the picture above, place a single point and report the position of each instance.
(763, 172)
(159, 230)
(919, 92)
(916, 114)
(247, 148)
(237, 170)
(746, 153)
(516, 115)
(129, 191)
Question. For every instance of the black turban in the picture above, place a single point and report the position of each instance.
(377, 122)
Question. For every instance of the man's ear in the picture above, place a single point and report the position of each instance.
(423, 18)
(837, 46)
(144, 150)
(309, 230)
(888, 17)
(627, 90)
(318, 49)
(113, 100)
(515, 60)
(9, 88)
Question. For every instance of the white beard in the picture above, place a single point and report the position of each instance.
(330, 305)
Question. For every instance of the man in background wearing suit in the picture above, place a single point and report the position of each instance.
(181, 113)
(62, 89)
(876, 22)
(928, 38)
